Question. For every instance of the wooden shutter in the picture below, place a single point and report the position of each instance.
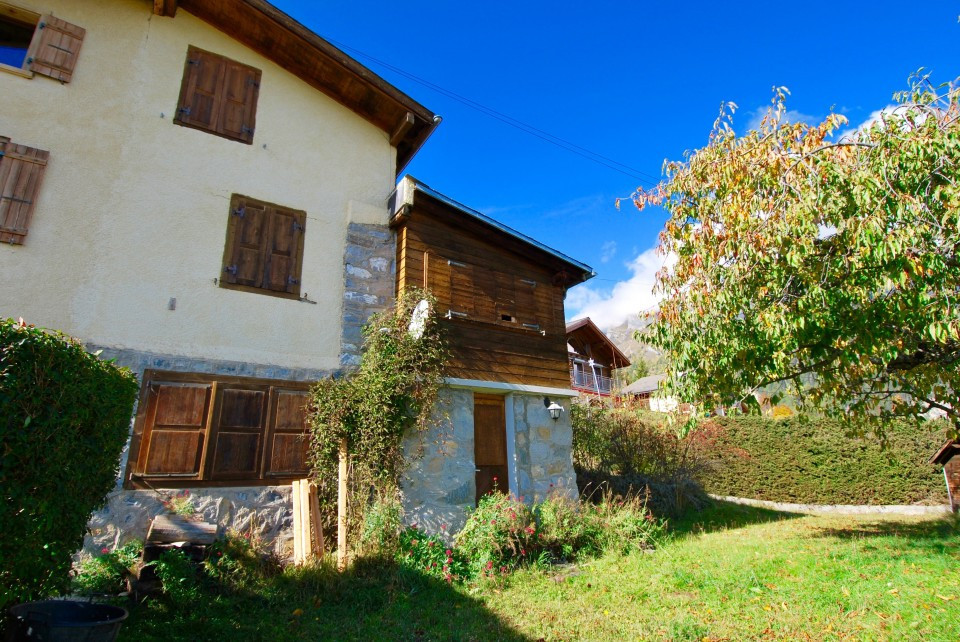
(21, 172)
(247, 230)
(525, 293)
(218, 95)
(236, 432)
(287, 434)
(462, 296)
(283, 252)
(172, 440)
(54, 49)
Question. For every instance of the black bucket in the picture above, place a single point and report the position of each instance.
(66, 621)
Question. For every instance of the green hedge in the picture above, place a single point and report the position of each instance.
(793, 460)
(64, 418)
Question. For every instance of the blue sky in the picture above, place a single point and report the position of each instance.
(634, 82)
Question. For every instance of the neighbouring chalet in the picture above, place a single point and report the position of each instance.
(501, 294)
(198, 188)
(949, 457)
(593, 358)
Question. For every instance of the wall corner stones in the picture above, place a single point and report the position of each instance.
(369, 269)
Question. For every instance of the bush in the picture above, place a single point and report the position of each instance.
(632, 453)
(814, 461)
(235, 563)
(64, 418)
(180, 576)
(428, 554)
(499, 535)
(382, 526)
(107, 573)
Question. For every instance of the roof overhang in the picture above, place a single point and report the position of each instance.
(947, 451)
(270, 32)
(587, 326)
(411, 193)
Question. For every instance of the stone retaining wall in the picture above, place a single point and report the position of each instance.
(836, 508)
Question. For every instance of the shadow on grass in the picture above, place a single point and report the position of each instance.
(937, 535)
(371, 601)
(721, 515)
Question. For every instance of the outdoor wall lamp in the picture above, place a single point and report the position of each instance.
(553, 408)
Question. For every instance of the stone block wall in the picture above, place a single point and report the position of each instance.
(439, 487)
(369, 266)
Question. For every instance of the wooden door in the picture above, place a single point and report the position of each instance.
(490, 444)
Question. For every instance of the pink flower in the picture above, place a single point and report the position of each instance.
(413, 542)
(431, 543)
(413, 525)
(449, 552)
(493, 522)
(489, 564)
(104, 550)
(443, 527)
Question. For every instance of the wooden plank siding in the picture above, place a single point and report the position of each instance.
(513, 330)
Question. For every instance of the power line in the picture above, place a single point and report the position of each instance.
(583, 152)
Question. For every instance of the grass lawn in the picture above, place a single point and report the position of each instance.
(728, 573)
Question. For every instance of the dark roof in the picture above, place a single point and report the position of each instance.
(587, 326)
(644, 384)
(273, 34)
(946, 452)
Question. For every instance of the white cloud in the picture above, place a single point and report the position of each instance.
(790, 116)
(876, 116)
(607, 251)
(635, 295)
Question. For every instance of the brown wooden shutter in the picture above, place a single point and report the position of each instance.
(287, 434)
(218, 95)
(462, 296)
(236, 432)
(54, 49)
(238, 104)
(436, 277)
(21, 172)
(525, 292)
(173, 433)
(283, 256)
(247, 238)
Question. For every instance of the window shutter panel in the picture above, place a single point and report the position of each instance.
(284, 254)
(173, 433)
(200, 91)
(462, 289)
(238, 104)
(288, 438)
(54, 49)
(21, 172)
(247, 238)
(436, 277)
(525, 291)
(235, 436)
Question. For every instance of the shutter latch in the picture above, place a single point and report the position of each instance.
(193, 62)
(253, 82)
(240, 211)
(247, 130)
(292, 281)
(297, 227)
(184, 110)
(231, 269)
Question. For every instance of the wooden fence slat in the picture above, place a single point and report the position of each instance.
(318, 542)
(297, 542)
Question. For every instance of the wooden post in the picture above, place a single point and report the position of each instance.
(305, 520)
(297, 538)
(318, 543)
(342, 549)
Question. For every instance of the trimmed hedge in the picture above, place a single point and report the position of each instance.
(813, 461)
(64, 418)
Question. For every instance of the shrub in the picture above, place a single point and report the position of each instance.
(631, 452)
(382, 526)
(179, 575)
(234, 562)
(429, 554)
(808, 460)
(107, 573)
(499, 535)
(565, 528)
(64, 418)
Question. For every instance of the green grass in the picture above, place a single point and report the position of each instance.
(730, 572)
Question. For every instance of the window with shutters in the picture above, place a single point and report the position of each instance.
(218, 95)
(264, 248)
(195, 429)
(32, 43)
(21, 172)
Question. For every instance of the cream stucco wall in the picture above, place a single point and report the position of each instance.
(133, 210)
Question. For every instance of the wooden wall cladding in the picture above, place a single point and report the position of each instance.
(506, 316)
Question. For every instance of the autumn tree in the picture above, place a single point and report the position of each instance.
(827, 261)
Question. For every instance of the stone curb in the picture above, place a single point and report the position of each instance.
(836, 509)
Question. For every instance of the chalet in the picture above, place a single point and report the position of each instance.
(507, 398)
(949, 457)
(593, 358)
(198, 189)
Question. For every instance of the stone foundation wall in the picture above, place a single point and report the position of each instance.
(439, 487)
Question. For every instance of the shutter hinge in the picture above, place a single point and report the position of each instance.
(253, 83)
(184, 110)
(247, 130)
(460, 315)
(297, 227)
(30, 60)
(193, 62)
(532, 284)
(292, 281)
(456, 263)
(42, 25)
(231, 269)
(240, 211)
